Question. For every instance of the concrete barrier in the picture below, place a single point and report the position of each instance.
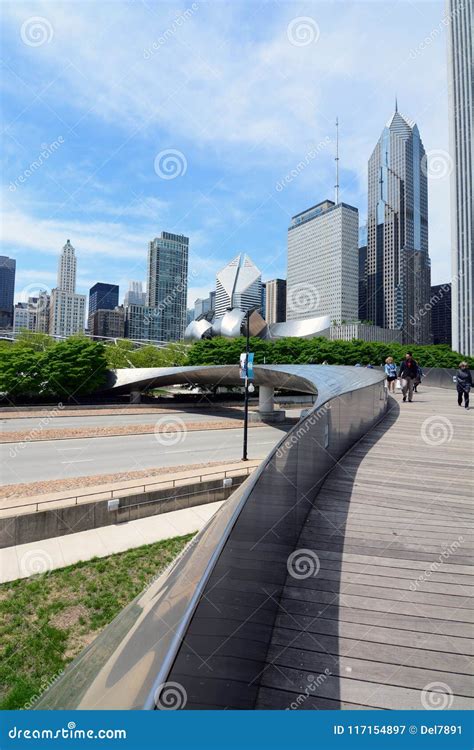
(31, 527)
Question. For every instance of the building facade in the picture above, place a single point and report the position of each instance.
(398, 265)
(204, 305)
(361, 331)
(142, 323)
(108, 323)
(7, 290)
(440, 304)
(42, 312)
(238, 284)
(67, 309)
(460, 90)
(275, 307)
(167, 283)
(322, 274)
(103, 297)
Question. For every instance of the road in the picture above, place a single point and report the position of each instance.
(61, 459)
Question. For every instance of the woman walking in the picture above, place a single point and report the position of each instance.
(463, 384)
(391, 374)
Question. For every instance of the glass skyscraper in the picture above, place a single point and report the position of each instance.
(167, 284)
(103, 297)
(398, 265)
(7, 290)
(459, 31)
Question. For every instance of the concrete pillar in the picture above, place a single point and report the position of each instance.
(266, 399)
(135, 397)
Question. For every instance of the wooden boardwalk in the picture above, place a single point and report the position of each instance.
(387, 622)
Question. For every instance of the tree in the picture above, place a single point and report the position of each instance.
(20, 372)
(74, 367)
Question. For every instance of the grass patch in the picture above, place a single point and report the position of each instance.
(45, 621)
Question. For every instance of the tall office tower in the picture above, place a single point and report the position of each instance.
(103, 297)
(135, 294)
(67, 309)
(323, 263)
(67, 267)
(440, 303)
(363, 282)
(460, 88)
(238, 284)
(398, 265)
(7, 290)
(275, 308)
(263, 300)
(203, 305)
(167, 283)
(142, 323)
(42, 312)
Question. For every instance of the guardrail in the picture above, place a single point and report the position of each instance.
(204, 626)
(111, 494)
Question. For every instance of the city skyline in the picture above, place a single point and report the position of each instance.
(236, 189)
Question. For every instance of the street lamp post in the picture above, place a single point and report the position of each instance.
(246, 401)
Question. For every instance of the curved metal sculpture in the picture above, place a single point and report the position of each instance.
(232, 325)
(202, 628)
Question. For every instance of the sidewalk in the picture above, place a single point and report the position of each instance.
(38, 558)
(104, 490)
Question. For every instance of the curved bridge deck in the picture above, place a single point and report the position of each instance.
(387, 621)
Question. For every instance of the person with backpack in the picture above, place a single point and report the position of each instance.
(408, 373)
(463, 384)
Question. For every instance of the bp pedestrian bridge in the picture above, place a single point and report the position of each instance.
(337, 576)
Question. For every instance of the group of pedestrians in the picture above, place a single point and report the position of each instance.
(409, 373)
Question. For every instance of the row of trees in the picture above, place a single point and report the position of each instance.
(220, 351)
(37, 365)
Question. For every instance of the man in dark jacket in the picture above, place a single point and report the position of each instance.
(408, 374)
(463, 384)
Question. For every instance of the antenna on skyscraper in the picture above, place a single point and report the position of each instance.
(336, 159)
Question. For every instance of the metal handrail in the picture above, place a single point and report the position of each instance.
(226, 472)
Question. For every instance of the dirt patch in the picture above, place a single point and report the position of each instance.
(68, 617)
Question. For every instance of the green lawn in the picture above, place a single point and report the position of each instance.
(45, 621)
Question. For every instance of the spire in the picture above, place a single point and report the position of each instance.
(337, 161)
(396, 103)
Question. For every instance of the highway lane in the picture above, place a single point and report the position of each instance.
(61, 459)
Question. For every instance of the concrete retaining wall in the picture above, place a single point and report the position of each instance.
(31, 527)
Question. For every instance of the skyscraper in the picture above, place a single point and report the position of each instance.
(323, 263)
(7, 290)
(275, 304)
(103, 297)
(238, 284)
(167, 283)
(398, 265)
(440, 303)
(460, 61)
(135, 294)
(67, 309)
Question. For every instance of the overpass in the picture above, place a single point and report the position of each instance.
(337, 576)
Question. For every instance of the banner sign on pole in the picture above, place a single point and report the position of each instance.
(246, 365)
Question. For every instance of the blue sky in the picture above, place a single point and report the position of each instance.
(240, 93)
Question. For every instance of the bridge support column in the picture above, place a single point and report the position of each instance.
(266, 407)
(135, 397)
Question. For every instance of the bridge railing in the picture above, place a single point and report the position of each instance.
(199, 634)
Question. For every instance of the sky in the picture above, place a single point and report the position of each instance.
(211, 119)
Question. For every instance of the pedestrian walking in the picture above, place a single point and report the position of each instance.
(463, 384)
(407, 373)
(419, 375)
(390, 374)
